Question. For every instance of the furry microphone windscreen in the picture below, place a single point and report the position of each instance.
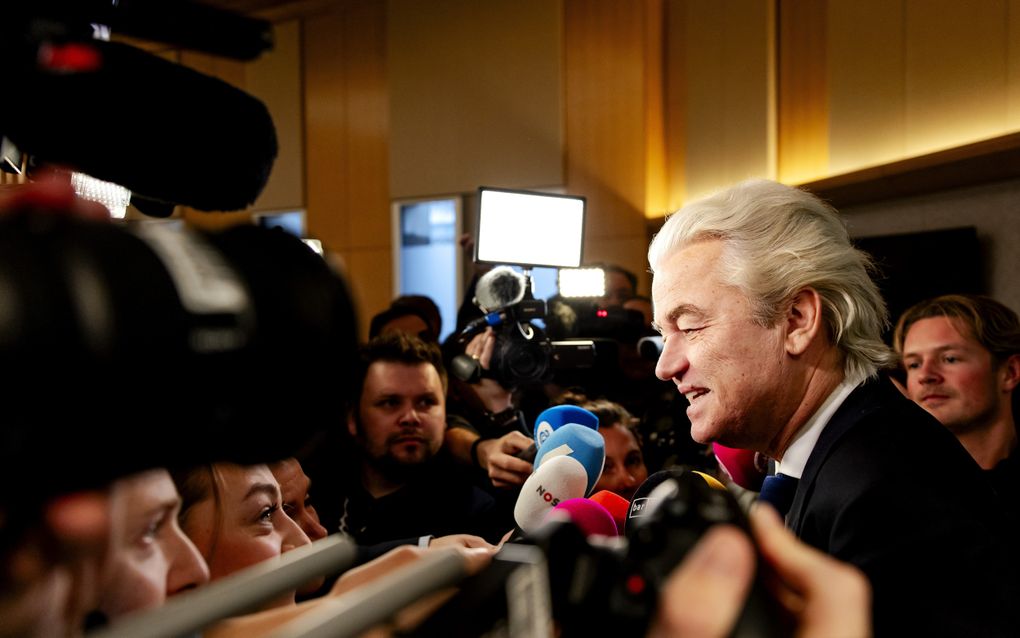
(157, 128)
(499, 288)
(589, 516)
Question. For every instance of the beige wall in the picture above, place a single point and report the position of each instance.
(990, 208)
(637, 105)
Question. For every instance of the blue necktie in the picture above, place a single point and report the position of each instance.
(778, 491)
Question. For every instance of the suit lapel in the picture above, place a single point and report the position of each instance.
(861, 402)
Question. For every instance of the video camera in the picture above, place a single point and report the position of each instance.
(524, 353)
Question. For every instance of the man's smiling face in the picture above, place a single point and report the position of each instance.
(729, 368)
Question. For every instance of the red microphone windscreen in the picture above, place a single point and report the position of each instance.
(740, 465)
(615, 504)
(590, 517)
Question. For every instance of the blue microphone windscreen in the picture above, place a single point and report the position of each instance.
(580, 443)
(557, 416)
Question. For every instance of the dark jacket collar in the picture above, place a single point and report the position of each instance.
(864, 400)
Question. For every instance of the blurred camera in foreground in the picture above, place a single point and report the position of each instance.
(125, 349)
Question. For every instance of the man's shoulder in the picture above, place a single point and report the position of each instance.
(879, 441)
(877, 426)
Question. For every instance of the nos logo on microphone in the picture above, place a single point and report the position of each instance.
(547, 496)
(542, 432)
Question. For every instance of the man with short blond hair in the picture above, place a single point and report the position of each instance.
(961, 356)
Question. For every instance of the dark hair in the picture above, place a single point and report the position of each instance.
(397, 347)
(631, 277)
(427, 309)
(608, 412)
(992, 324)
(195, 485)
(396, 311)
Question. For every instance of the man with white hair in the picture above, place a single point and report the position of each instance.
(772, 328)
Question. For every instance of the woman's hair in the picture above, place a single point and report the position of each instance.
(608, 412)
(992, 324)
(778, 240)
(196, 485)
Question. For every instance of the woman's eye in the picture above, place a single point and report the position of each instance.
(266, 515)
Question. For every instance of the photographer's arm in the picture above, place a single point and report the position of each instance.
(496, 455)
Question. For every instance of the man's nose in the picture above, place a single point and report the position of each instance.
(410, 416)
(672, 361)
(929, 372)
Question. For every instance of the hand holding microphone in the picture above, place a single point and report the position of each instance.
(500, 458)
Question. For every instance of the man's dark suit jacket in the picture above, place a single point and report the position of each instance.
(890, 490)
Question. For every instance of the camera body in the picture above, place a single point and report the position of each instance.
(615, 590)
(523, 352)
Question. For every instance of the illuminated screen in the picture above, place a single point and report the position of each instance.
(529, 229)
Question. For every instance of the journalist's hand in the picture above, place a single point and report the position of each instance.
(497, 458)
(825, 596)
(494, 397)
(704, 595)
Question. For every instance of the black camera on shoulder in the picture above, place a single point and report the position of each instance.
(523, 352)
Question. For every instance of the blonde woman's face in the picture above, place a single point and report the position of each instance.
(250, 525)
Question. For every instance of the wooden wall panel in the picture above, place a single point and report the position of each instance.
(346, 120)
(368, 198)
(675, 102)
(275, 78)
(1013, 64)
(476, 95)
(326, 129)
(955, 72)
(803, 108)
(728, 48)
(610, 113)
(866, 66)
(656, 180)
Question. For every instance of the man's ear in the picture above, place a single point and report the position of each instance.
(803, 321)
(1011, 370)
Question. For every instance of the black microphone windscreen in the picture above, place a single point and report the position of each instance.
(639, 503)
(154, 127)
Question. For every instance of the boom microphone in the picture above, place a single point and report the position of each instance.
(552, 419)
(204, 144)
(500, 288)
(559, 479)
(580, 443)
(184, 23)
